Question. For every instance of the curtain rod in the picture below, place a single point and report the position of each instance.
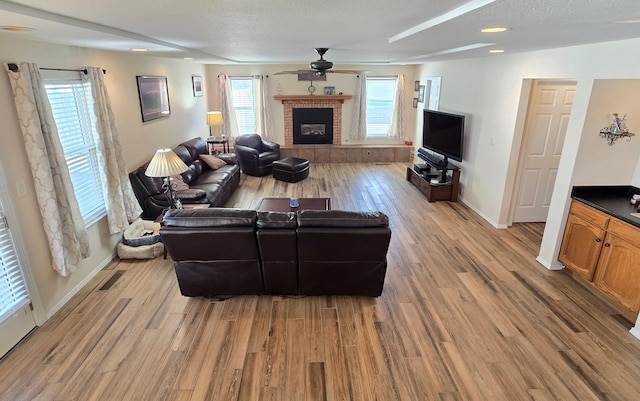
(14, 68)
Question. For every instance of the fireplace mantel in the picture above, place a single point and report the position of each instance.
(297, 98)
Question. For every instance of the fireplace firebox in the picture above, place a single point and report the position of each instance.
(312, 125)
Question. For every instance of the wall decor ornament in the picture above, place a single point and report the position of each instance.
(616, 130)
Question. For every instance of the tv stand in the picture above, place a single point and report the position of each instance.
(443, 186)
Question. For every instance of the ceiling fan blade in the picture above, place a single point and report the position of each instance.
(294, 72)
(348, 71)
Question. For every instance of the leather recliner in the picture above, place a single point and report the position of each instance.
(214, 251)
(342, 252)
(256, 155)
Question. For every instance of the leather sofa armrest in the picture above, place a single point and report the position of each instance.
(229, 158)
(243, 151)
(277, 220)
(269, 146)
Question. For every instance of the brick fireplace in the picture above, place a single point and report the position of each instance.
(333, 102)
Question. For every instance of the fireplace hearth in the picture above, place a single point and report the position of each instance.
(312, 126)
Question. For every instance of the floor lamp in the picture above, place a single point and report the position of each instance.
(213, 118)
(166, 163)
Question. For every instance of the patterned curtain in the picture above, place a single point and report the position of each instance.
(396, 130)
(359, 122)
(262, 107)
(63, 223)
(120, 201)
(226, 107)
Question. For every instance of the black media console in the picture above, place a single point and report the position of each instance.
(432, 178)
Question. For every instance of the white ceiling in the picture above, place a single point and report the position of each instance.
(356, 31)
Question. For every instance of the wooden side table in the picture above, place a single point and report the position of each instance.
(212, 141)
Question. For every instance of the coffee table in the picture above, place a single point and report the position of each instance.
(282, 204)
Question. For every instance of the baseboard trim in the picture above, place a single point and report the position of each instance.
(80, 285)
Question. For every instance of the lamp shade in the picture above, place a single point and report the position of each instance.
(214, 118)
(164, 164)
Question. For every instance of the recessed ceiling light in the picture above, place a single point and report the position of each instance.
(496, 51)
(494, 29)
(188, 58)
(139, 50)
(16, 28)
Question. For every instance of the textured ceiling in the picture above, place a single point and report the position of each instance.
(356, 31)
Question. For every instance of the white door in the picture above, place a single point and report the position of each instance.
(545, 129)
(16, 317)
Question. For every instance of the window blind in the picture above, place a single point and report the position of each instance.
(242, 96)
(13, 291)
(381, 94)
(72, 106)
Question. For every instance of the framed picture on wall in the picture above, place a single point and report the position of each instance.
(154, 97)
(415, 102)
(329, 90)
(416, 86)
(197, 85)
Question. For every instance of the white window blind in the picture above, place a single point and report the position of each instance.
(381, 94)
(72, 107)
(13, 291)
(243, 101)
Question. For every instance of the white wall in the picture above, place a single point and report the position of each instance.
(139, 141)
(289, 85)
(491, 91)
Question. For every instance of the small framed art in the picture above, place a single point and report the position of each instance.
(416, 86)
(197, 85)
(329, 90)
(415, 102)
(154, 97)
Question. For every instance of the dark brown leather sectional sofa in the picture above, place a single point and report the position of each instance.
(214, 187)
(223, 251)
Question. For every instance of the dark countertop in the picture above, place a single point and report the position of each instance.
(612, 200)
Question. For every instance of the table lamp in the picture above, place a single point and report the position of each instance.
(166, 163)
(213, 118)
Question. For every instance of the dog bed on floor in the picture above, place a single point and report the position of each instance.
(140, 252)
(141, 232)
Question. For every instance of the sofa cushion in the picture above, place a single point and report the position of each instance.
(211, 217)
(341, 218)
(191, 195)
(178, 184)
(213, 162)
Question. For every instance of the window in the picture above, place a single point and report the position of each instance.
(72, 107)
(242, 96)
(381, 94)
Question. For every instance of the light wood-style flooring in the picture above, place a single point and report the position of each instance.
(466, 314)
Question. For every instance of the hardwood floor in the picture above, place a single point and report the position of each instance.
(466, 314)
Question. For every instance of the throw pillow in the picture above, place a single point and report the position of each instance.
(178, 184)
(212, 161)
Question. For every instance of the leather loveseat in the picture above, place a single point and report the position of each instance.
(219, 252)
(206, 185)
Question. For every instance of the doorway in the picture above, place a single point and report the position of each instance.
(545, 128)
(16, 314)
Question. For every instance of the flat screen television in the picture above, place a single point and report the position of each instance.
(443, 133)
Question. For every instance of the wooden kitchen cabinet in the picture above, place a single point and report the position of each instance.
(618, 271)
(582, 241)
(604, 250)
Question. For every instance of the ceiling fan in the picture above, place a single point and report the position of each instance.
(320, 67)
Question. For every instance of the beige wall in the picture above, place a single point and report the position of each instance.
(139, 141)
(289, 85)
